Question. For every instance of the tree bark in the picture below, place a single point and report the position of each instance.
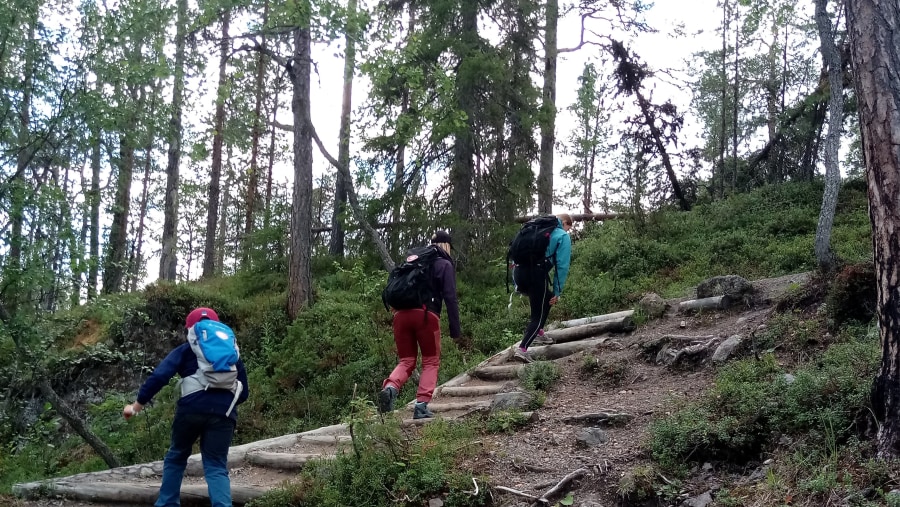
(258, 123)
(114, 263)
(267, 214)
(825, 256)
(215, 173)
(299, 291)
(724, 83)
(873, 26)
(336, 245)
(75, 422)
(548, 95)
(168, 259)
(12, 274)
(463, 170)
(93, 198)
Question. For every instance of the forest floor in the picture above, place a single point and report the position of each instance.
(538, 456)
(535, 458)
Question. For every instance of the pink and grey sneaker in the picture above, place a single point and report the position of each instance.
(522, 355)
(542, 339)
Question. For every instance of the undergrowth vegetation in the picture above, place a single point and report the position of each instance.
(304, 374)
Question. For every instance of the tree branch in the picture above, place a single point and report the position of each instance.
(386, 260)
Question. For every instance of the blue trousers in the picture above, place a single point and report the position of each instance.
(215, 433)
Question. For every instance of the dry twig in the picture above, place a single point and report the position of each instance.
(544, 499)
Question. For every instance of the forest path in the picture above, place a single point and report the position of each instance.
(593, 425)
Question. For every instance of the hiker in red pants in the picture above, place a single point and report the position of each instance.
(418, 329)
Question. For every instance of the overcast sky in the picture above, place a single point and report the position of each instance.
(660, 50)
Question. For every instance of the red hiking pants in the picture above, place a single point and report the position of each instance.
(414, 332)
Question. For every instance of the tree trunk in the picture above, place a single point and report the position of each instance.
(114, 263)
(463, 169)
(299, 279)
(832, 60)
(548, 123)
(253, 178)
(873, 25)
(267, 214)
(735, 106)
(222, 236)
(661, 148)
(93, 198)
(75, 422)
(400, 166)
(215, 173)
(724, 83)
(336, 245)
(12, 274)
(137, 267)
(168, 260)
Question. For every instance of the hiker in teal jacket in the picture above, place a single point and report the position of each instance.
(542, 292)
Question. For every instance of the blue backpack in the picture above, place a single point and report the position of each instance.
(217, 353)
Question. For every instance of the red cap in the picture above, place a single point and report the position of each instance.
(199, 314)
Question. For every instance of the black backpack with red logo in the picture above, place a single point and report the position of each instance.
(409, 284)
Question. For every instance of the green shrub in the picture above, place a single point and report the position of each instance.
(540, 375)
(506, 421)
(385, 463)
(752, 401)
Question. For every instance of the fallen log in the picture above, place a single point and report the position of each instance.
(505, 372)
(283, 460)
(135, 493)
(696, 305)
(618, 325)
(324, 439)
(472, 390)
(589, 320)
(439, 407)
(559, 350)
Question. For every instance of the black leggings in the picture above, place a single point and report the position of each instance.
(539, 295)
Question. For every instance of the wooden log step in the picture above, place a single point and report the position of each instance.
(560, 350)
(438, 406)
(138, 494)
(283, 460)
(622, 324)
(324, 439)
(505, 372)
(590, 320)
(459, 391)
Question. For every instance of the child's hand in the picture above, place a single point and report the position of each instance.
(131, 410)
(554, 300)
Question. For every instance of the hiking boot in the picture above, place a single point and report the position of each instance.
(386, 399)
(421, 411)
(522, 355)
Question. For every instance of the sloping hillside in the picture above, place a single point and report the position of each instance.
(594, 420)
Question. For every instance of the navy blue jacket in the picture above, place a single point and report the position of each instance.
(183, 362)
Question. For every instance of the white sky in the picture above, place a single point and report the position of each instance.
(659, 50)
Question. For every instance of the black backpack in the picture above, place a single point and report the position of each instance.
(409, 285)
(529, 248)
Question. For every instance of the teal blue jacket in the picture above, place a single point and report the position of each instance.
(560, 250)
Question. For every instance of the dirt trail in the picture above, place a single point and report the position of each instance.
(533, 459)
